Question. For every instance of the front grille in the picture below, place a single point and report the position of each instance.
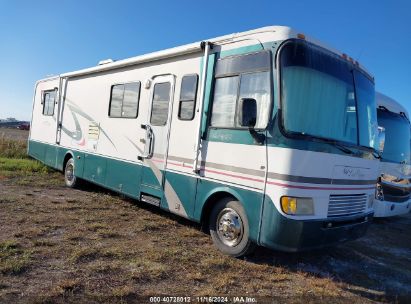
(345, 205)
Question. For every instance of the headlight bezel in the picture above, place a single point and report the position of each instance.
(297, 206)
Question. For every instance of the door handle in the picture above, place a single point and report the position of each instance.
(148, 140)
(150, 134)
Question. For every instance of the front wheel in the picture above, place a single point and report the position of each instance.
(69, 177)
(229, 228)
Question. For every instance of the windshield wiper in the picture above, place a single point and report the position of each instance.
(374, 153)
(340, 147)
(330, 142)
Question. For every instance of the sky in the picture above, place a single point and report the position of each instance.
(41, 38)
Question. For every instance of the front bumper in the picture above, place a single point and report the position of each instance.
(281, 233)
(386, 208)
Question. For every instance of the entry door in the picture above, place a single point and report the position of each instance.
(157, 130)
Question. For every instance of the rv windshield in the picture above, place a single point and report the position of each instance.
(321, 96)
(397, 134)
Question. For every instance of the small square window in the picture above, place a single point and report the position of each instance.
(49, 100)
(188, 95)
(124, 100)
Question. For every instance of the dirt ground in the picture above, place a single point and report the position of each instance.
(91, 245)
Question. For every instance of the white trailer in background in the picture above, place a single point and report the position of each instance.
(394, 187)
(266, 137)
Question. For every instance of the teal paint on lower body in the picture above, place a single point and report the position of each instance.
(251, 201)
(123, 177)
(281, 233)
(119, 176)
(185, 187)
(37, 150)
(95, 167)
(277, 231)
(149, 182)
(50, 158)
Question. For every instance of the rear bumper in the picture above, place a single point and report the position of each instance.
(281, 233)
(386, 209)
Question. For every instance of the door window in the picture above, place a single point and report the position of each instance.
(160, 104)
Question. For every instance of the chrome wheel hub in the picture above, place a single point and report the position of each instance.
(70, 173)
(230, 227)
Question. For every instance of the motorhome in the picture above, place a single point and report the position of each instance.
(394, 188)
(265, 137)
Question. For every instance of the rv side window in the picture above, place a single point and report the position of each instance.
(49, 98)
(124, 100)
(241, 77)
(188, 97)
(159, 107)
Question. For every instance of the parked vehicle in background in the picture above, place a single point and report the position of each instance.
(394, 187)
(237, 132)
(24, 126)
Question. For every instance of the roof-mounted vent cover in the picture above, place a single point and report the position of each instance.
(105, 61)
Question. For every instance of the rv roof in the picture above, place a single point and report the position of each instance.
(389, 103)
(279, 32)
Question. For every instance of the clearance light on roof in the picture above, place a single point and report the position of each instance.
(105, 61)
(301, 36)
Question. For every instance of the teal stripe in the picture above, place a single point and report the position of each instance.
(124, 177)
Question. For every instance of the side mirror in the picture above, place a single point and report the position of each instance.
(381, 139)
(248, 112)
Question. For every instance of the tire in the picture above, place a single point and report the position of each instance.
(70, 178)
(229, 228)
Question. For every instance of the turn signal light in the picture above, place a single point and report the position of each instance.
(297, 205)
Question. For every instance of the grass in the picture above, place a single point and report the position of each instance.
(12, 165)
(58, 245)
(14, 259)
(12, 148)
(14, 160)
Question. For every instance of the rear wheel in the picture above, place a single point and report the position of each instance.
(70, 178)
(229, 228)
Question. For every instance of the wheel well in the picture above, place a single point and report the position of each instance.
(208, 206)
(66, 159)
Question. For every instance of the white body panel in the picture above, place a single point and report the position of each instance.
(291, 162)
(85, 103)
(393, 171)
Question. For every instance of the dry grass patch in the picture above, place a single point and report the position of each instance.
(12, 148)
(14, 259)
(105, 267)
(144, 270)
(43, 243)
(124, 293)
(88, 254)
(67, 287)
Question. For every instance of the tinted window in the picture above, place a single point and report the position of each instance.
(227, 94)
(224, 104)
(257, 87)
(242, 64)
(241, 77)
(49, 98)
(159, 108)
(397, 130)
(317, 90)
(130, 99)
(188, 97)
(124, 100)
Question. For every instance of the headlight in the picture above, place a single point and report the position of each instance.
(297, 205)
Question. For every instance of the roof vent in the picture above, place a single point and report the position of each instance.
(105, 61)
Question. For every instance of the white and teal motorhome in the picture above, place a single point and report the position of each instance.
(394, 187)
(265, 137)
